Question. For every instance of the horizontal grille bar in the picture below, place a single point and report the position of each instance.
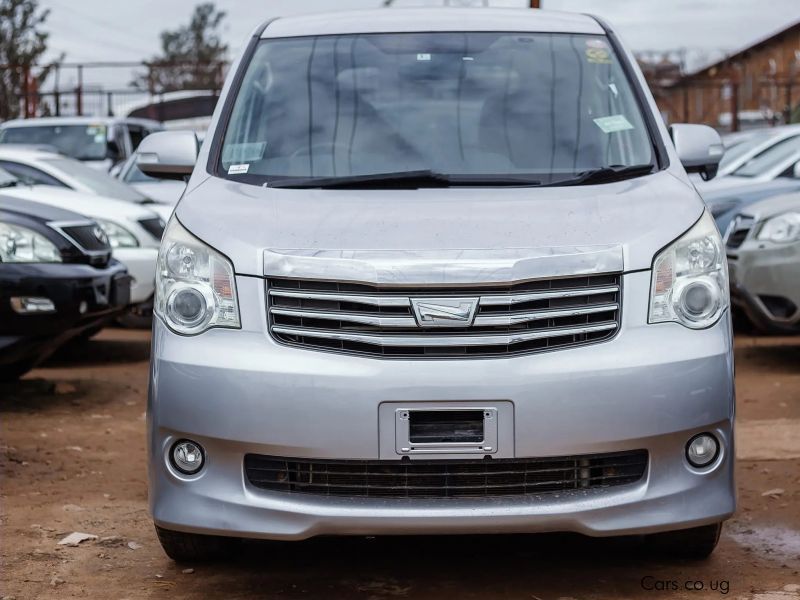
(444, 340)
(444, 478)
(399, 321)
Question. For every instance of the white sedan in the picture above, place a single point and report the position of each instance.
(133, 231)
(34, 165)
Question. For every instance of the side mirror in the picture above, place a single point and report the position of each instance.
(168, 154)
(796, 170)
(699, 148)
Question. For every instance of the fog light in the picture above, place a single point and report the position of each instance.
(187, 457)
(702, 450)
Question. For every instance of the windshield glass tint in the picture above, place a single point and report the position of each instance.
(84, 142)
(770, 158)
(100, 182)
(545, 105)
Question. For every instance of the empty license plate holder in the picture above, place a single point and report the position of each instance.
(450, 430)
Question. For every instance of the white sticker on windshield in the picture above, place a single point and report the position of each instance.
(242, 153)
(423, 56)
(613, 123)
(238, 169)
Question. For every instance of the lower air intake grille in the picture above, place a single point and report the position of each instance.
(444, 478)
(391, 322)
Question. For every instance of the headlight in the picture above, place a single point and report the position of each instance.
(195, 289)
(690, 278)
(22, 245)
(118, 236)
(780, 229)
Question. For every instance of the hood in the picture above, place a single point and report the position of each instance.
(90, 205)
(769, 207)
(164, 192)
(637, 217)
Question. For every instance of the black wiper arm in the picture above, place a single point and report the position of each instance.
(607, 174)
(402, 179)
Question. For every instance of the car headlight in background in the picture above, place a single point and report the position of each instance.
(118, 236)
(690, 278)
(780, 229)
(195, 288)
(22, 245)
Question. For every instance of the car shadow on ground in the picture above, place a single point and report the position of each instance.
(524, 566)
(99, 352)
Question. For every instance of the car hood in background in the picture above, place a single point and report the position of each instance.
(637, 216)
(724, 204)
(775, 205)
(90, 205)
(164, 192)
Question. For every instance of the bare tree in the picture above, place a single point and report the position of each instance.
(191, 56)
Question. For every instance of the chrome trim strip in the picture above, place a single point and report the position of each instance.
(355, 298)
(443, 341)
(443, 267)
(515, 319)
(509, 299)
(345, 316)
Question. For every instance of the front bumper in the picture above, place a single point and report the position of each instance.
(84, 296)
(238, 392)
(763, 270)
(141, 264)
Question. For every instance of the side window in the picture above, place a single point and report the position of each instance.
(137, 134)
(30, 175)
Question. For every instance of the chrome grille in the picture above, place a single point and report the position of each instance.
(380, 321)
(444, 478)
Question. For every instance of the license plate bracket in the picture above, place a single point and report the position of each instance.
(448, 430)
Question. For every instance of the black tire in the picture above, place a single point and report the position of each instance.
(696, 543)
(193, 547)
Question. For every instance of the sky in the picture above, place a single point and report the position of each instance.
(92, 30)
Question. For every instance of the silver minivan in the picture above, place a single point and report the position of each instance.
(439, 271)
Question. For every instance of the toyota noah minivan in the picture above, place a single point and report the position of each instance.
(439, 271)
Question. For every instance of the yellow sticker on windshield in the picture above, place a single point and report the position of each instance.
(597, 52)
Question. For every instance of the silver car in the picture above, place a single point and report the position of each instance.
(439, 271)
(763, 245)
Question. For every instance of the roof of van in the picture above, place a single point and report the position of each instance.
(79, 121)
(396, 20)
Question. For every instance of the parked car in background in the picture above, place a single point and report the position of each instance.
(724, 204)
(100, 142)
(419, 284)
(781, 159)
(753, 143)
(163, 191)
(763, 247)
(40, 167)
(58, 281)
(133, 231)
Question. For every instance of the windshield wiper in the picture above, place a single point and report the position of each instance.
(607, 174)
(402, 179)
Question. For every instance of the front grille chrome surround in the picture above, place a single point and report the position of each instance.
(471, 478)
(380, 321)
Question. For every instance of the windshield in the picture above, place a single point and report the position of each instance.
(100, 182)
(736, 151)
(84, 142)
(770, 158)
(547, 106)
(7, 179)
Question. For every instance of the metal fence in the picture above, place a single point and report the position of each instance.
(106, 88)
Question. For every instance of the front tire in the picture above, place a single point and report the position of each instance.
(696, 543)
(193, 547)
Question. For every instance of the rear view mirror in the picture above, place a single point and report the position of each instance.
(699, 148)
(168, 154)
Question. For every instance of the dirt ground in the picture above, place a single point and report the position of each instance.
(73, 459)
